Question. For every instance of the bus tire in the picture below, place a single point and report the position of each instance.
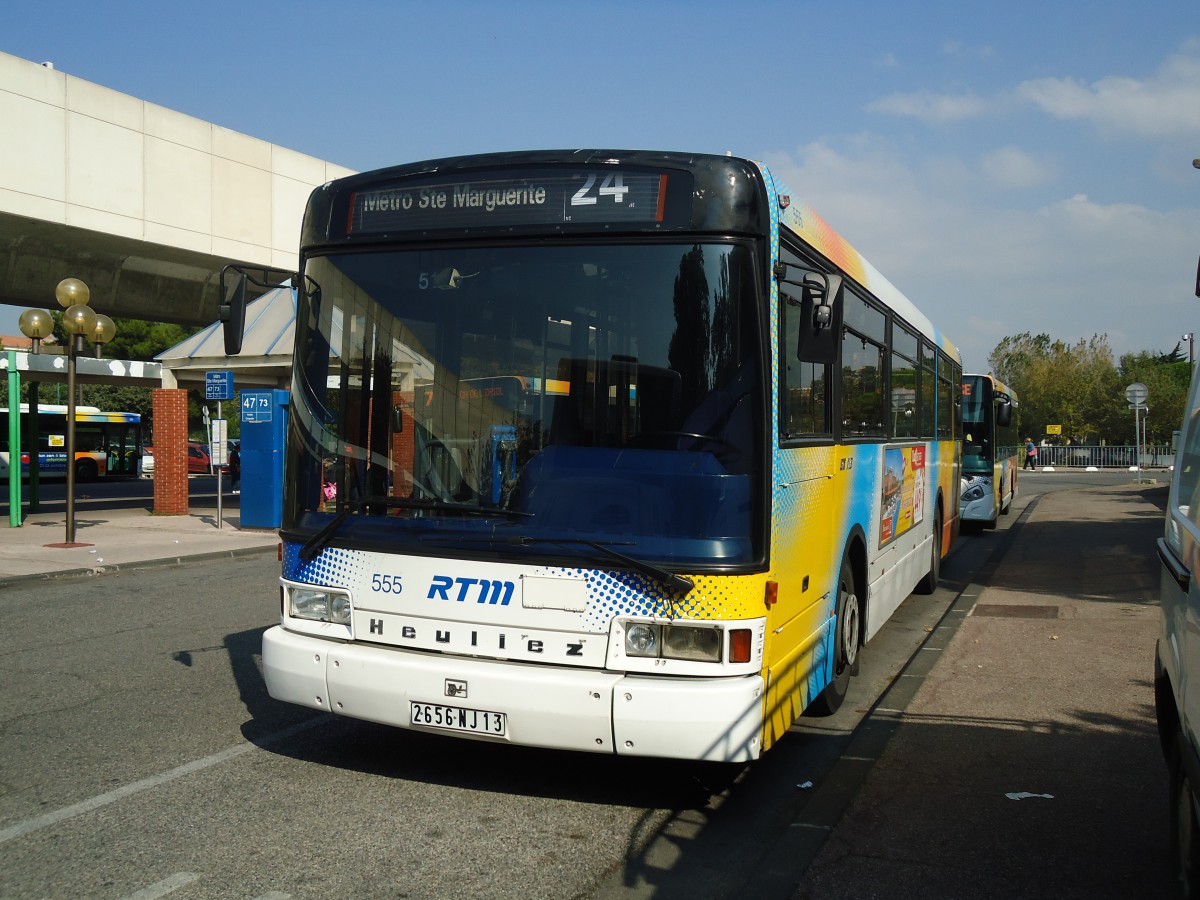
(85, 470)
(929, 582)
(846, 640)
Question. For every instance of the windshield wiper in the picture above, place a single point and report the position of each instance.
(319, 541)
(679, 584)
(314, 545)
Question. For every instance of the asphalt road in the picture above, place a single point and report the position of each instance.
(142, 757)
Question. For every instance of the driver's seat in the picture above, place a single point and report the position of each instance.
(727, 415)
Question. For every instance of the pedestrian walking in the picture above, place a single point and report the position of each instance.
(235, 470)
(1030, 454)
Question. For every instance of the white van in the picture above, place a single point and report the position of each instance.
(1177, 654)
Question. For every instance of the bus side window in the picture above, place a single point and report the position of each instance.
(804, 407)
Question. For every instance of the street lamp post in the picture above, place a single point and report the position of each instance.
(1191, 339)
(81, 325)
(78, 321)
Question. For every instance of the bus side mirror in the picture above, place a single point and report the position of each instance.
(233, 315)
(1004, 414)
(397, 419)
(820, 318)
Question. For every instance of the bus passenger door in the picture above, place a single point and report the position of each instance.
(804, 522)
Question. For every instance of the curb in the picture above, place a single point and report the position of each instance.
(117, 568)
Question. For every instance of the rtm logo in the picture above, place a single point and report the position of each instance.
(483, 590)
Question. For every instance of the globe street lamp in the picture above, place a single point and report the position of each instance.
(36, 325)
(81, 325)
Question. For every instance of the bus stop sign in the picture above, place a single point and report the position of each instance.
(218, 385)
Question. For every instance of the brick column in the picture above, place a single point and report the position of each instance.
(170, 452)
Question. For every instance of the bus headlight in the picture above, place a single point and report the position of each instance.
(642, 640)
(690, 642)
(975, 492)
(320, 605)
(700, 643)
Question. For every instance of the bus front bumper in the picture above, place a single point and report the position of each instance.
(714, 719)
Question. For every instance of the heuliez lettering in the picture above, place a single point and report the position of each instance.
(444, 635)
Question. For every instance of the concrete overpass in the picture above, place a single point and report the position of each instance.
(143, 203)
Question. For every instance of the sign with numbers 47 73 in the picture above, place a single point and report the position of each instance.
(256, 407)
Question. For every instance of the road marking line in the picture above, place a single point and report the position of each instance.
(128, 790)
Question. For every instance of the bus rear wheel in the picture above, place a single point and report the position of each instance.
(846, 639)
(86, 470)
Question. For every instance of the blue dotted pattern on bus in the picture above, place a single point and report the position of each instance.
(609, 593)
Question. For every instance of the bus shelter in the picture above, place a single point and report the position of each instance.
(51, 368)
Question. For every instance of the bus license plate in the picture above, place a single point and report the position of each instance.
(457, 718)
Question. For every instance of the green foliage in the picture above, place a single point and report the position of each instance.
(1079, 387)
(1166, 382)
(144, 340)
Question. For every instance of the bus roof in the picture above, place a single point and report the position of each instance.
(803, 220)
(998, 386)
(82, 413)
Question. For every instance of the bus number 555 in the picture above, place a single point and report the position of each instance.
(386, 584)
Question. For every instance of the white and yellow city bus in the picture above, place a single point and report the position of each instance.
(623, 452)
(107, 444)
(991, 445)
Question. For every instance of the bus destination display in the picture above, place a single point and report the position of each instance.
(587, 197)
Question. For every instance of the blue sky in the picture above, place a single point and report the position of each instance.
(1017, 166)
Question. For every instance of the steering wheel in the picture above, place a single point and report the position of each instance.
(651, 438)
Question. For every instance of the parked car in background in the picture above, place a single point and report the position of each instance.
(1177, 651)
(198, 461)
(146, 462)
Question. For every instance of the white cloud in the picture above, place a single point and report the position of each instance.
(1012, 167)
(1069, 267)
(930, 107)
(1167, 103)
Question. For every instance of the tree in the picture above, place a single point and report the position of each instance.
(1079, 387)
(1166, 381)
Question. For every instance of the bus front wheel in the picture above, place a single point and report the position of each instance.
(929, 582)
(847, 636)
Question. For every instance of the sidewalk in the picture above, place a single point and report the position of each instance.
(1016, 755)
(122, 538)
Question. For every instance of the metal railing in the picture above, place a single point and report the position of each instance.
(1081, 456)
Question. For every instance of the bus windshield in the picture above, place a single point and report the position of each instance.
(977, 425)
(505, 397)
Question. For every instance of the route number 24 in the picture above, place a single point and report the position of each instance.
(612, 186)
